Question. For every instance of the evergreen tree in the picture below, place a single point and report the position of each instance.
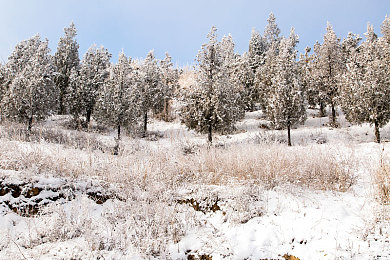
(31, 94)
(170, 83)
(285, 104)
(117, 102)
(328, 66)
(272, 32)
(87, 81)
(243, 77)
(366, 88)
(150, 89)
(253, 60)
(66, 58)
(304, 65)
(385, 29)
(213, 103)
(3, 86)
(265, 73)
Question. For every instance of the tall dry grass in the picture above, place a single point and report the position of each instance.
(317, 167)
(382, 180)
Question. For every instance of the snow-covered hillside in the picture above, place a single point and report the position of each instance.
(64, 195)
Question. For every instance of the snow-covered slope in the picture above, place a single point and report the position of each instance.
(169, 196)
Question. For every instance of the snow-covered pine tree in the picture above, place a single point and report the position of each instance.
(66, 58)
(366, 88)
(31, 94)
(385, 41)
(328, 66)
(272, 32)
(170, 84)
(117, 102)
(254, 58)
(212, 105)
(349, 45)
(87, 81)
(3, 86)
(265, 73)
(286, 104)
(2, 81)
(304, 65)
(243, 77)
(385, 29)
(151, 91)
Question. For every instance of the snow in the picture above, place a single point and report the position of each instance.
(253, 222)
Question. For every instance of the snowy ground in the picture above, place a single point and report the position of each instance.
(148, 203)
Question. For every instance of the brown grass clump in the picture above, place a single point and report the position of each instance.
(273, 165)
(382, 180)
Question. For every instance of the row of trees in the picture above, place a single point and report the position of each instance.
(35, 84)
(349, 74)
(345, 73)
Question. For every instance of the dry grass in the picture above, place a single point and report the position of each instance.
(318, 167)
(272, 165)
(382, 181)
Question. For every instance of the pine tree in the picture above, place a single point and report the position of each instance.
(213, 104)
(366, 88)
(285, 104)
(254, 59)
(243, 77)
(170, 84)
(117, 102)
(272, 32)
(87, 81)
(31, 94)
(328, 66)
(385, 29)
(265, 73)
(66, 58)
(304, 66)
(150, 89)
(3, 86)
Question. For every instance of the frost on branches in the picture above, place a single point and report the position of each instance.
(366, 88)
(150, 88)
(265, 73)
(66, 58)
(214, 103)
(285, 105)
(31, 94)
(327, 68)
(86, 82)
(169, 85)
(253, 60)
(117, 102)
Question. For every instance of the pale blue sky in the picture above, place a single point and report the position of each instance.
(178, 26)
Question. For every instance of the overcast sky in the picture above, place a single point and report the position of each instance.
(178, 26)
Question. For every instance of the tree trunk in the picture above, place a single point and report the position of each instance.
(289, 133)
(145, 123)
(119, 131)
(166, 110)
(333, 119)
(377, 133)
(61, 101)
(322, 109)
(116, 148)
(29, 126)
(210, 133)
(88, 116)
